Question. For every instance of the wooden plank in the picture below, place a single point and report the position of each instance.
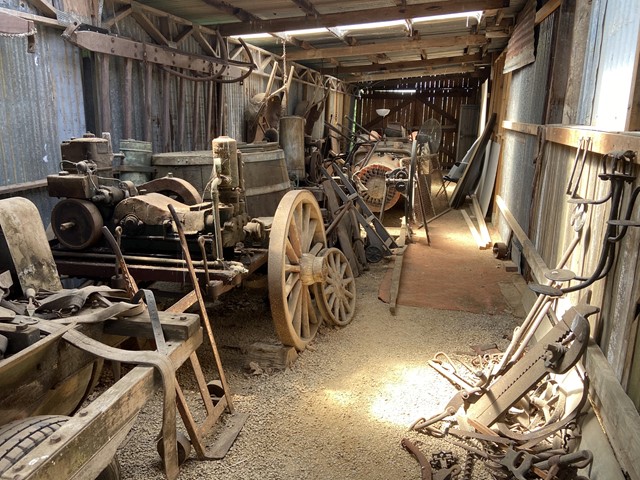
(176, 327)
(535, 261)
(124, 47)
(617, 412)
(404, 45)
(22, 187)
(484, 231)
(105, 101)
(14, 25)
(429, 71)
(394, 288)
(546, 10)
(89, 437)
(39, 19)
(474, 231)
(601, 142)
(527, 128)
(368, 15)
(406, 65)
(128, 98)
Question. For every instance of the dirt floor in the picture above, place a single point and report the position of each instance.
(342, 409)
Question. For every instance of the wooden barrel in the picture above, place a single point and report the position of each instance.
(266, 179)
(195, 167)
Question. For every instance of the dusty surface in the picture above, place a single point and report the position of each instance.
(343, 408)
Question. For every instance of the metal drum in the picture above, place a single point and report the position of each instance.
(266, 179)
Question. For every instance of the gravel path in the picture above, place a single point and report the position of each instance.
(342, 409)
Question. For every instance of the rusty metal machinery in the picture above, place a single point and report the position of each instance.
(372, 167)
(223, 242)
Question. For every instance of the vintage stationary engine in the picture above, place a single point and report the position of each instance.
(89, 201)
(371, 167)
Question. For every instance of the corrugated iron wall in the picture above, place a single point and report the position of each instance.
(41, 104)
(527, 100)
(610, 65)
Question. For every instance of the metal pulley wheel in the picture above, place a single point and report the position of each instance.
(500, 250)
(373, 177)
(294, 266)
(336, 296)
(76, 223)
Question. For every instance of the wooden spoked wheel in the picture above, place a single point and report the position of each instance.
(336, 297)
(297, 237)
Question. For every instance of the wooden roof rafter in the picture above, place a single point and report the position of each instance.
(439, 7)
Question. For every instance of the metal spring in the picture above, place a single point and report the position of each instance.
(467, 468)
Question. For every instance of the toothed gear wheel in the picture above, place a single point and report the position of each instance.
(373, 178)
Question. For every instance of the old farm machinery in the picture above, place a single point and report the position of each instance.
(230, 233)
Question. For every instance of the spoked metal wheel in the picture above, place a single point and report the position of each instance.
(297, 237)
(336, 297)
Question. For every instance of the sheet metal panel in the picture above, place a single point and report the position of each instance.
(41, 104)
(617, 65)
(527, 100)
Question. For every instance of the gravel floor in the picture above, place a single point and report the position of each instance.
(343, 408)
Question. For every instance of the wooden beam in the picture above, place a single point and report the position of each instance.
(123, 47)
(38, 19)
(526, 128)
(373, 77)
(404, 45)
(433, 92)
(601, 142)
(369, 15)
(202, 41)
(45, 7)
(14, 25)
(121, 14)
(534, 259)
(617, 412)
(149, 27)
(307, 7)
(386, 67)
(546, 10)
(237, 12)
(423, 98)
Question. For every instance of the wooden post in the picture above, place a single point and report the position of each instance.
(148, 88)
(128, 107)
(195, 132)
(105, 105)
(211, 98)
(179, 141)
(166, 112)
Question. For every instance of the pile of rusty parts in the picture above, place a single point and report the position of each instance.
(519, 411)
(515, 413)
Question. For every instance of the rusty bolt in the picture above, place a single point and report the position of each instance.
(55, 438)
(83, 413)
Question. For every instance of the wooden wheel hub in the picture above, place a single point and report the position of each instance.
(313, 269)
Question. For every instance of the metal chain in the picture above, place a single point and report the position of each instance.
(33, 31)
